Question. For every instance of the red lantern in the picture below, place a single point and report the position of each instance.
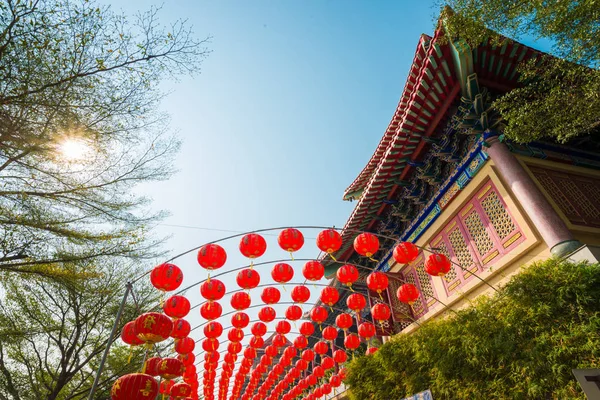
(313, 270)
(211, 310)
(283, 327)
(240, 320)
(437, 265)
(270, 295)
(187, 359)
(212, 289)
(408, 293)
(330, 333)
(329, 241)
(250, 353)
(282, 273)
(181, 390)
(267, 314)
(308, 355)
(321, 347)
(134, 387)
(301, 365)
(253, 245)
(366, 330)
(293, 313)
(330, 295)
(240, 301)
(279, 340)
(381, 312)
(290, 240)
(165, 387)
(213, 330)
(318, 314)
(129, 335)
(176, 306)
(347, 274)
(335, 380)
(181, 329)
(371, 350)
(266, 360)
(307, 329)
(356, 302)
(153, 327)
(327, 363)
(300, 342)
(319, 372)
(300, 294)
(185, 345)
(234, 348)
(342, 373)
(248, 279)
(170, 368)
(340, 356)
(377, 282)
(166, 277)
(290, 352)
(151, 366)
(405, 252)
(257, 342)
(258, 329)
(211, 256)
(209, 345)
(271, 351)
(344, 321)
(235, 335)
(351, 342)
(366, 244)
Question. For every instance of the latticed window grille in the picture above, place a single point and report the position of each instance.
(401, 312)
(481, 233)
(577, 196)
(414, 273)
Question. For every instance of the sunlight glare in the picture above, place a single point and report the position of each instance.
(73, 149)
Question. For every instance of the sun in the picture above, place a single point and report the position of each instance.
(74, 149)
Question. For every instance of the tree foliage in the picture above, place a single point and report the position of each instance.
(52, 333)
(560, 97)
(73, 71)
(520, 344)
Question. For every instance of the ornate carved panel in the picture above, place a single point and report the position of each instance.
(577, 196)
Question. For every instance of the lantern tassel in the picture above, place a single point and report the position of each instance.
(130, 355)
(251, 264)
(372, 259)
(208, 279)
(332, 257)
(292, 256)
(380, 296)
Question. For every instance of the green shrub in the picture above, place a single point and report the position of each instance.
(521, 343)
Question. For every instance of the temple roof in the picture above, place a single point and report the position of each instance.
(442, 77)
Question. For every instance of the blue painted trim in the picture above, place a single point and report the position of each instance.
(476, 152)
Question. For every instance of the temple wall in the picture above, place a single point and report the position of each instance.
(573, 192)
(485, 227)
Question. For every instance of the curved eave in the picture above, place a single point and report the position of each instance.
(354, 191)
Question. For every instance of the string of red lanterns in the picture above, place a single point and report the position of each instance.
(152, 327)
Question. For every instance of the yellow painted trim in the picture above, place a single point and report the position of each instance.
(466, 211)
(484, 191)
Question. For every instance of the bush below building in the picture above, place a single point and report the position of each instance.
(521, 343)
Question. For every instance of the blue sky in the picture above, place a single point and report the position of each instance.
(288, 109)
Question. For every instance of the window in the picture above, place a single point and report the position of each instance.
(478, 236)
